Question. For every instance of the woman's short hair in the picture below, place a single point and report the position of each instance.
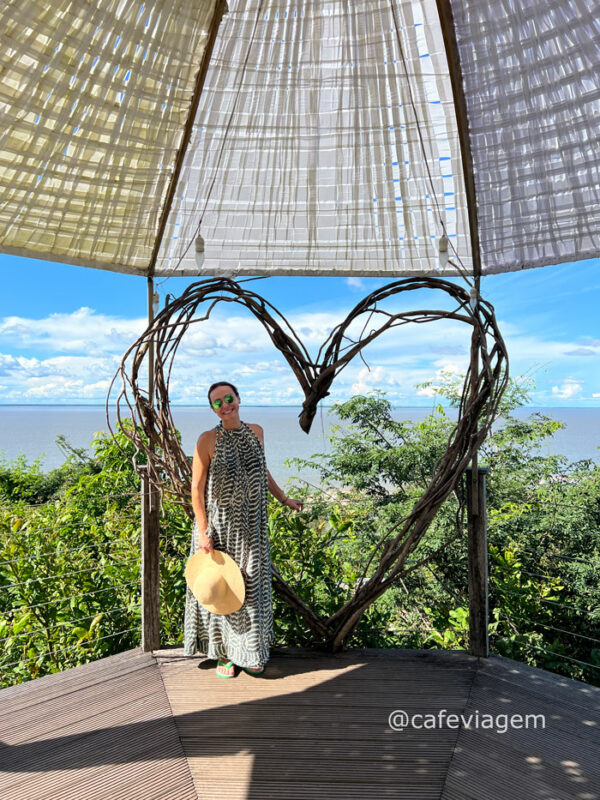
(223, 383)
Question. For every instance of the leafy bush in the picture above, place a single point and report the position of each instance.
(70, 568)
(21, 480)
(70, 546)
(543, 520)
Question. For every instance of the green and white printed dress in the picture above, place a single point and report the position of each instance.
(236, 508)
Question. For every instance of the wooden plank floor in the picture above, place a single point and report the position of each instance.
(560, 762)
(103, 730)
(317, 725)
(164, 726)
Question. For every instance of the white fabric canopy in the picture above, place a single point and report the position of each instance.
(532, 87)
(326, 139)
(326, 144)
(93, 100)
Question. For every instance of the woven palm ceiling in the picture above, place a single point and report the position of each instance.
(317, 137)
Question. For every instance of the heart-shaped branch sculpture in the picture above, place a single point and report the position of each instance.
(169, 468)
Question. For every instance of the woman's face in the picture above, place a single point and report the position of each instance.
(227, 410)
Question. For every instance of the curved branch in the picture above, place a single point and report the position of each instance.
(154, 435)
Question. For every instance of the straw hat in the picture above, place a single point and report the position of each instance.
(216, 581)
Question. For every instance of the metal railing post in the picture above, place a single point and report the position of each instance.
(150, 565)
(478, 562)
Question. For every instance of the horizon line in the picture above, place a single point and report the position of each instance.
(263, 405)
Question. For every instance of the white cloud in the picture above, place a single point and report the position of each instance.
(71, 378)
(355, 282)
(262, 366)
(80, 331)
(48, 388)
(446, 370)
(568, 389)
(66, 366)
(73, 357)
(582, 351)
(14, 364)
(375, 378)
(448, 367)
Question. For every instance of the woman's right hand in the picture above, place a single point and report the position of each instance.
(205, 543)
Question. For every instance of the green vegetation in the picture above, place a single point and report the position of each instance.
(70, 561)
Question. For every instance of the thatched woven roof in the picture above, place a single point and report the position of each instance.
(327, 139)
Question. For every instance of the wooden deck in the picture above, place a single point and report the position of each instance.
(164, 726)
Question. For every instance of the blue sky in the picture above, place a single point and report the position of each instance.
(63, 330)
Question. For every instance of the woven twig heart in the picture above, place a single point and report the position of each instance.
(483, 388)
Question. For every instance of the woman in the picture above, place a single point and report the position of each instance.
(230, 481)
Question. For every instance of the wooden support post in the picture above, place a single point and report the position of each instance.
(150, 286)
(150, 565)
(150, 547)
(478, 562)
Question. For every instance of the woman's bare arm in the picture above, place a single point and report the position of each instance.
(200, 465)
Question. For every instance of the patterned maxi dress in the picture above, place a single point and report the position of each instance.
(236, 508)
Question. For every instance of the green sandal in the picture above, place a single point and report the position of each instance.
(225, 669)
(253, 670)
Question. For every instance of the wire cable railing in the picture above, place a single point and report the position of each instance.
(82, 594)
(562, 604)
(554, 653)
(120, 496)
(583, 611)
(513, 614)
(554, 628)
(516, 620)
(558, 556)
(539, 575)
(63, 575)
(67, 622)
(36, 633)
(52, 653)
(38, 556)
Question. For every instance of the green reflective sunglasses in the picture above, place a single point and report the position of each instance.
(216, 404)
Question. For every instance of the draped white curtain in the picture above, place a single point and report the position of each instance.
(326, 143)
(532, 85)
(93, 99)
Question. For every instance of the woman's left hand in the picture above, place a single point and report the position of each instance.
(295, 505)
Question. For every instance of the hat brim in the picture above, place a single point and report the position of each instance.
(235, 595)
